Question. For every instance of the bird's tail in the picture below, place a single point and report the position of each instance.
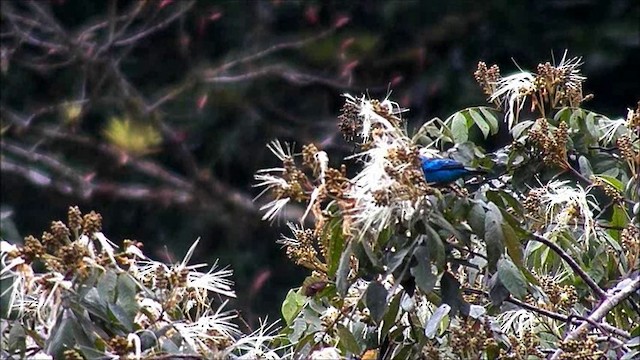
(476, 171)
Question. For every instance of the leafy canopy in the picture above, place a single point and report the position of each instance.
(509, 265)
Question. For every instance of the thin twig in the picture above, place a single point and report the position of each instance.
(573, 264)
(270, 50)
(554, 315)
(146, 32)
(51, 163)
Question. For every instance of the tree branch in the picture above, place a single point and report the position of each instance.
(554, 315)
(272, 49)
(614, 297)
(573, 264)
(146, 32)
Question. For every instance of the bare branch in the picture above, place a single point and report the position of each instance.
(134, 192)
(51, 163)
(143, 166)
(46, 15)
(29, 38)
(146, 32)
(26, 120)
(33, 176)
(289, 74)
(270, 50)
(128, 17)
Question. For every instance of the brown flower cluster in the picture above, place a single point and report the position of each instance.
(73, 354)
(552, 86)
(59, 249)
(302, 249)
(552, 144)
(524, 347)
(560, 85)
(298, 185)
(583, 348)
(633, 118)
(409, 181)
(119, 345)
(561, 297)
(472, 338)
(487, 77)
(349, 122)
(611, 191)
(630, 239)
(532, 202)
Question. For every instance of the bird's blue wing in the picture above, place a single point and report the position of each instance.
(440, 164)
(442, 171)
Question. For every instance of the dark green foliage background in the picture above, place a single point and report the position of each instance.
(428, 49)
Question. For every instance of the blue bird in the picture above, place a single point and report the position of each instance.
(444, 171)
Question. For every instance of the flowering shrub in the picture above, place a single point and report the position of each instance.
(537, 258)
(72, 294)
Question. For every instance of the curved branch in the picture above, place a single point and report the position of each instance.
(573, 264)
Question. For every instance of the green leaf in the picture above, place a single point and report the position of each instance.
(347, 340)
(439, 220)
(367, 246)
(482, 124)
(475, 218)
(126, 298)
(298, 329)
(17, 339)
(563, 114)
(514, 248)
(6, 281)
(435, 246)
(292, 305)
(511, 201)
(519, 129)
(92, 353)
(590, 122)
(491, 118)
(450, 292)
(494, 236)
(617, 184)
(495, 198)
(425, 278)
(585, 167)
(477, 311)
(376, 300)
(342, 283)
(459, 128)
(95, 304)
(433, 324)
(395, 259)
(619, 220)
(106, 286)
(389, 319)
(511, 277)
(62, 336)
(497, 292)
(122, 319)
(336, 246)
(403, 354)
